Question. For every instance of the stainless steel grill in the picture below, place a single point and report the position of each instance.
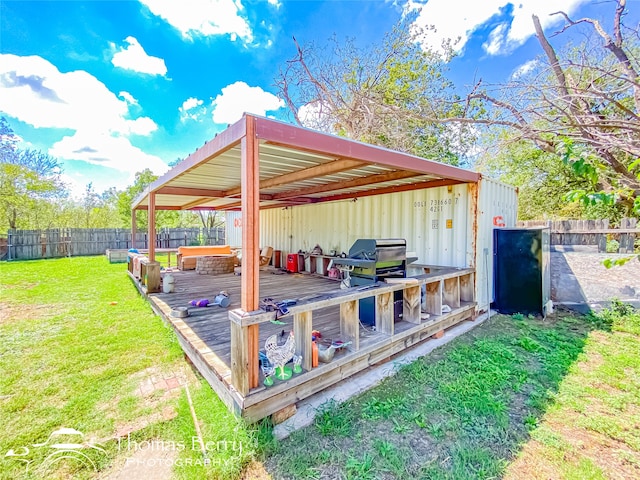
(372, 260)
(376, 259)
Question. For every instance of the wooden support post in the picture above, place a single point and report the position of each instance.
(434, 298)
(452, 292)
(302, 331)
(384, 313)
(253, 337)
(134, 228)
(467, 290)
(350, 324)
(411, 304)
(152, 227)
(240, 358)
(250, 206)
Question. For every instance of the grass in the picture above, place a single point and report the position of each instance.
(516, 397)
(75, 333)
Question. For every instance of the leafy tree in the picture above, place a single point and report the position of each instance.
(29, 180)
(164, 218)
(543, 180)
(385, 94)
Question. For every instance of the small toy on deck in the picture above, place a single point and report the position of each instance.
(279, 355)
(199, 303)
(221, 300)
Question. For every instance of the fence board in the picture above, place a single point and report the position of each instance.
(590, 232)
(63, 242)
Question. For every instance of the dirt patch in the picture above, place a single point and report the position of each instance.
(157, 390)
(10, 313)
(532, 464)
(255, 471)
(615, 459)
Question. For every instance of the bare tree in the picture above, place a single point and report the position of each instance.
(377, 94)
(583, 104)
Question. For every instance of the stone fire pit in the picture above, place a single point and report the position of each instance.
(215, 264)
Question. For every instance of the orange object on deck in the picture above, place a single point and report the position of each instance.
(314, 354)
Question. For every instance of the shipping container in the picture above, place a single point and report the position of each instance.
(437, 223)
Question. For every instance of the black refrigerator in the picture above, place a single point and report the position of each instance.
(521, 271)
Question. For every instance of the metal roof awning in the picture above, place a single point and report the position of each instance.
(258, 163)
(297, 166)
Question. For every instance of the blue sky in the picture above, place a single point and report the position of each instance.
(113, 87)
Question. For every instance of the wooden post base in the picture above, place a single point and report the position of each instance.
(283, 414)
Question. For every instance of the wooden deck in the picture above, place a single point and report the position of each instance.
(211, 324)
(205, 335)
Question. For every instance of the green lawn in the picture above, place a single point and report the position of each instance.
(74, 334)
(516, 397)
(477, 404)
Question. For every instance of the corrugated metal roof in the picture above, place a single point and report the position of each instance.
(296, 166)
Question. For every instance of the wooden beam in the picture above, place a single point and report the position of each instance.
(250, 204)
(384, 313)
(411, 304)
(394, 189)
(195, 203)
(240, 358)
(158, 207)
(452, 292)
(193, 192)
(134, 228)
(316, 171)
(356, 182)
(434, 298)
(350, 324)
(302, 332)
(467, 288)
(152, 227)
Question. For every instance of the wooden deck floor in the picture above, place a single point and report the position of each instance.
(212, 325)
(205, 335)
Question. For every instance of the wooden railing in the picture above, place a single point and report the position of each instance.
(452, 286)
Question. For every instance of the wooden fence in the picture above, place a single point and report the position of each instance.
(66, 242)
(590, 232)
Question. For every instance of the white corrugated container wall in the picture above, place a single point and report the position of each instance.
(233, 228)
(436, 222)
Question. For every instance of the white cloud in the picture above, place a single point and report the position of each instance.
(523, 69)
(136, 59)
(459, 19)
(106, 150)
(203, 17)
(76, 188)
(141, 126)
(275, 3)
(496, 40)
(128, 98)
(316, 115)
(35, 92)
(191, 109)
(238, 98)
